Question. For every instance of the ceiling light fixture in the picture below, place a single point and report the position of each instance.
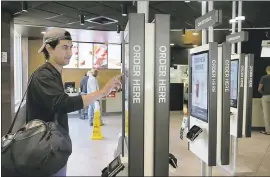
(124, 10)
(171, 44)
(43, 32)
(187, 1)
(240, 18)
(82, 19)
(184, 32)
(24, 6)
(118, 28)
(195, 33)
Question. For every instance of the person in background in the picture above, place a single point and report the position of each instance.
(83, 88)
(83, 83)
(264, 89)
(92, 86)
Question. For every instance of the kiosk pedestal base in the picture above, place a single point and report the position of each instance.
(240, 170)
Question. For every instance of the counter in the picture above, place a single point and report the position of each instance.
(113, 104)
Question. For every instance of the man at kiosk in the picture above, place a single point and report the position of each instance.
(264, 89)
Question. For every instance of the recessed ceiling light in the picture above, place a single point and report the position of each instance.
(172, 44)
(43, 32)
(187, 1)
(195, 33)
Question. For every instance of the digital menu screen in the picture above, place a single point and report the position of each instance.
(234, 83)
(85, 55)
(74, 60)
(200, 86)
(114, 56)
(100, 56)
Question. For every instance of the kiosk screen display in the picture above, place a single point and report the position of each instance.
(234, 83)
(200, 86)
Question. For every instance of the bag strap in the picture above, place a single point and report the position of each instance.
(17, 112)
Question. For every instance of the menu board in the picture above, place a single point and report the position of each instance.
(100, 56)
(114, 56)
(74, 60)
(85, 55)
(234, 83)
(200, 86)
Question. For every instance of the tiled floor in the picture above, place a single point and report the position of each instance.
(90, 157)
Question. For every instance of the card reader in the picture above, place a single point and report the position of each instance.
(113, 168)
(193, 133)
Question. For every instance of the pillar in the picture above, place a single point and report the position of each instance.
(7, 72)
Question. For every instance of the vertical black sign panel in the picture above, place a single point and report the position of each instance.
(225, 119)
(136, 94)
(161, 95)
(212, 103)
(249, 95)
(240, 102)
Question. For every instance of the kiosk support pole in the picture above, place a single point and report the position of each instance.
(204, 35)
(211, 28)
(123, 93)
(233, 23)
(143, 7)
(239, 24)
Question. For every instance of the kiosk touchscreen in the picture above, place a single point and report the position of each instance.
(234, 83)
(202, 135)
(237, 94)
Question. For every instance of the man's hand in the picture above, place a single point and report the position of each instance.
(114, 83)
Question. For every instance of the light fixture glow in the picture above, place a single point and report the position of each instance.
(240, 18)
(171, 44)
(82, 19)
(195, 33)
(124, 10)
(232, 21)
(43, 32)
(24, 6)
(187, 1)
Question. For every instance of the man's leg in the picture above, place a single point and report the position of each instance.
(91, 114)
(266, 113)
(62, 172)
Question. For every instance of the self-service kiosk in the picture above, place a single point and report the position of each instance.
(202, 134)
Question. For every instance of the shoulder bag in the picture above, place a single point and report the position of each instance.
(37, 149)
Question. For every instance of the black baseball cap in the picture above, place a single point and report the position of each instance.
(53, 35)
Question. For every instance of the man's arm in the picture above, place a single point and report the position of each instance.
(260, 85)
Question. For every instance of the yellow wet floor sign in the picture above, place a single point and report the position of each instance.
(96, 134)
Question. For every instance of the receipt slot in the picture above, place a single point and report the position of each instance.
(193, 133)
(202, 124)
(114, 168)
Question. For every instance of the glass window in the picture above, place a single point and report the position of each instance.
(17, 68)
(114, 56)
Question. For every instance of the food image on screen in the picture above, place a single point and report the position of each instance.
(114, 56)
(100, 56)
(74, 60)
(200, 86)
(234, 83)
(85, 55)
(126, 75)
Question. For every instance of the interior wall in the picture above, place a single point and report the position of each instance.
(37, 59)
(253, 45)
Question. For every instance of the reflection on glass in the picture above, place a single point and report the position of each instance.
(85, 55)
(100, 56)
(114, 56)
(73, 62)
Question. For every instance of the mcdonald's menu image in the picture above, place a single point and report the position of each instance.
(100, 56)
(234, 83)
(200, 86)
(114, 56)
(74, 60)
(85, 55)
